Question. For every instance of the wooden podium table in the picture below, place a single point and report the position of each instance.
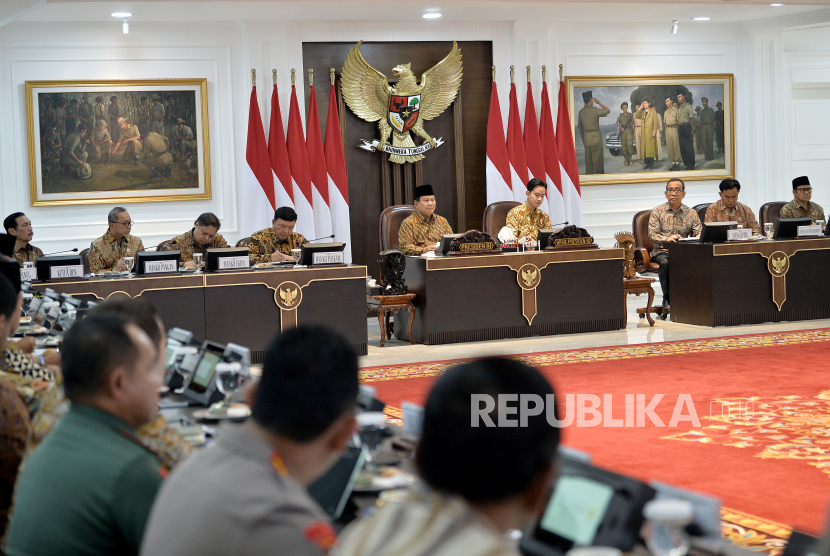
(513, 295)
(245, 307)
(750, 283)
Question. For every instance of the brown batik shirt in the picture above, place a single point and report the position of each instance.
(794, 210)
(665, 222)
(740, 213)
(525, 221)
(27, 254)
(187, 245)
(417, 231)
(106, 251)
(264, 243)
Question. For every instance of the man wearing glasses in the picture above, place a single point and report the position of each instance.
(801, 205)
(108, 251)
(670, 222)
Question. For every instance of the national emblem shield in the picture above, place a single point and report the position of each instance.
(403, 111)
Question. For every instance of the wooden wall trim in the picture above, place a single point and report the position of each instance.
(458, 140)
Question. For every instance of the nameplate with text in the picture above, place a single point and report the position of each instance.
(28, 274)
(229, 263)
(738, 235)
(483, 246)
(562, 241)
(327, 257)
(158, 267)
(810, 231)
(71, 271)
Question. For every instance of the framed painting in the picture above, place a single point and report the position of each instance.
(648, 128)
(118, 142)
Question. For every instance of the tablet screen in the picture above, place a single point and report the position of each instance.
(576, 509)
(204, 371)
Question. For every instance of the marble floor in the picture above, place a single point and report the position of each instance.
(636, 332)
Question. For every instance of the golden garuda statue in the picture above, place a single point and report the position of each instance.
(404, 107)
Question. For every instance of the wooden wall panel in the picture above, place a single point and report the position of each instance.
(373, 185)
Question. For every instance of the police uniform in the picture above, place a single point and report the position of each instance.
(588, 122)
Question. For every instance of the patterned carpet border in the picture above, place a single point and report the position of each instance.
(434, 368)
(754, 533)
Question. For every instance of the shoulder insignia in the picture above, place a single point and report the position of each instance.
(321, 534)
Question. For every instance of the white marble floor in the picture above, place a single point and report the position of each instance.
(636, 332)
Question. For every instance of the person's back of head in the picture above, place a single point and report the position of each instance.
(10, 300)
(485, 464)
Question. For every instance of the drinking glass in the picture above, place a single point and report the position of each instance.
(371, 428)
(129, 262)
(768, 229)
(199, 261)
(666, 534)
(296, 254)
(178, 363)
(228, 378)
(820, 222)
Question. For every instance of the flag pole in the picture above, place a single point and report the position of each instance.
(528, 73)
(561, 71)
(274, 76)
(293, 76)
(544, 73)
(310, 77)
(331, 75)
(253, 78)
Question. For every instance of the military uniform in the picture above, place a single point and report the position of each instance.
(100, 138)
(188, 142)
(114, 113)
(638, 137)
(144, 114)
(106, 251)
(51, 140)
(417, 231)
(707, 132)
(156, 155)
(257, 508)
(672, 140)
(187, 245)
(71, 118)
(685, 117)
(157, 118)
(264, 243)
(719, 123)
(592, 138)
(625, 120)
(100, 113)
(74, 143)
(85, 114)
(87, 489)
(132, 149)
(27, 254)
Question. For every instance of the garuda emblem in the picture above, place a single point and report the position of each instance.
(288, 297)
(401, 108)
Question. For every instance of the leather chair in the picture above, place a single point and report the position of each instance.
(701, 210)
(770, 212)
(85, 260)
(495, 216)
(642, 243)
(390, 223)
(243, 242)
(163, 245)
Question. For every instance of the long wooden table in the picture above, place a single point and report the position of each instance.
(513, 295)
(245, 307)
(750, 283)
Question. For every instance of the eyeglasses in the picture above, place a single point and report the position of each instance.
(804, 189)
(674, 191)
(128, 223)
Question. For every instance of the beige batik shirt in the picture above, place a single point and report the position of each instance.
(794, 210)
(527, 221)
(740, 213)
(417, 231)
(106, 251)
(665, 222)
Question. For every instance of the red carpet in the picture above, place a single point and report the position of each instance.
(774, 464)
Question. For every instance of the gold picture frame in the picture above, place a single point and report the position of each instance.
(611, 91)
(126, 176)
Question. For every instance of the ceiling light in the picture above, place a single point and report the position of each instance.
(701, 18)
(674, 27)
(121, 14)
(126, 26)
(776, 5)
(432, 15)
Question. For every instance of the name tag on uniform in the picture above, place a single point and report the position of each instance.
(809, 231)
(738, 235)
(329, 257)
(227, 263)
(28, 274)
(71, 271)
(157, 267)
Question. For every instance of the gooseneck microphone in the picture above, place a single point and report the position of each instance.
(75, 250)
(565, 223)
(319, 238)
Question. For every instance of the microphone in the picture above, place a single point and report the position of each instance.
(75, 250)
(565, 223)
(319, 238)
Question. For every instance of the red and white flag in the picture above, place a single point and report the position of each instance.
(571, 194)
(258, 202)
(516, 149)
(498, 163)
(553, 169)
(533, 146)
(283, 189)
(300, 174)
(338, 182)
(317, 167)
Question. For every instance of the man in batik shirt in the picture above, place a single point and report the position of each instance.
(801, 205)
(108, 251)
(421, 231)
(274, 244)
(668, 223)
(203, 236)
(527, 219)
(728, 209)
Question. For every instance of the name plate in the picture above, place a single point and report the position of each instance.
(484, 246)
(227, 263)
(573, 241)
(738, 235)
(328, 257)
(28, 274)
(810, 231)
(157, 267)
(71, 271)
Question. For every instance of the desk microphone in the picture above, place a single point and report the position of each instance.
(59, 252)
(319, 238)
(565, 223)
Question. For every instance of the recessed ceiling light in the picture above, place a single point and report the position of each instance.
(121, 14)
(701, 18)
(432, 15)
(776, 5)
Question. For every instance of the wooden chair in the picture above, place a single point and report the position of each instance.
(701, 210)
(164, 244)
(770, 212)
(85, 260)
(642, 261)
(243, 242)
(495, 216)
(390, 223)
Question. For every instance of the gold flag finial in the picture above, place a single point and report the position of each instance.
(253, 78)
(293, 76)
(331, 75)
(544, 73)
(310, 77)
(494, 73)
(561, 71)
(528, 73)
(274, 76)
(512, 72)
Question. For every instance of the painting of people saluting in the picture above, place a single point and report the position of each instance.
(648, 128)
(130, 141)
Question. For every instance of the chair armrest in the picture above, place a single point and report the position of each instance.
(641, 257)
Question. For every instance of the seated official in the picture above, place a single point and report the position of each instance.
(728, 209)
(801, 205)
(108, 251)
(203, 236)
(89, 486)
(17, 225)
(527, 219)
(478, 482)
(419, 232)
(247, 493)
(669, 222)
(274, 244)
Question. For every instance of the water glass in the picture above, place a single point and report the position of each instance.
(666, 533)
(371, 428)
(768, 229)
(820, 222)
(198, 261)
(296, 254)
(129, 262)
(228, 378)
